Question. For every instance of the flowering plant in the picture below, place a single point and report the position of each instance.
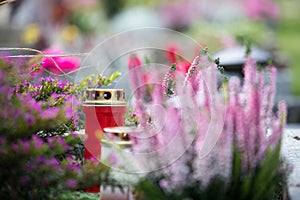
(206, 141)
(37, 138)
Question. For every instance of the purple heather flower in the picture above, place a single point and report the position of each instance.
(49, 113)
(15, 147)
(30, 119)
(51, 162)
(25, 145)
(136, 76)
(74, 167)
(51, 142)
(63, 143)
(37, 142)
(71, 183)
(6, 57)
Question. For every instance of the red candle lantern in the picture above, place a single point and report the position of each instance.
(102, 108)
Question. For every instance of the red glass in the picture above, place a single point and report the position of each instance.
(97, 118)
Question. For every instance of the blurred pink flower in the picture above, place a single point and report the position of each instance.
(228, 41)
(59, 64)
(173, 56)
(259, 9)
(179, 14)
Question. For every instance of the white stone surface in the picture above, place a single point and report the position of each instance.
(291, 152)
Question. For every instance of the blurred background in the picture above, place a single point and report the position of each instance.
(76, 27)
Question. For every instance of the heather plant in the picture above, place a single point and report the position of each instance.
(38, 123)
(211, 141)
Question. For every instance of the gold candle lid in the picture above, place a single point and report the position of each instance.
(105, 97)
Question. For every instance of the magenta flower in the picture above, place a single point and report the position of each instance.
(49, 113)
(136, 75)
(37, 142)
(173, 56)
(59, 64)
(62, 142)
(138, 83)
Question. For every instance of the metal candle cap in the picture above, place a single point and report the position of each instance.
(105, 97)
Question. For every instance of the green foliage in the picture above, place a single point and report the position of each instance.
(80, 195)
(265, 182)
(170, 82)
(131, 118)
(95, 81)
(148, 190)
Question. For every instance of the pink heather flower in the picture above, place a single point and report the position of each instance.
(278, 125)
(134, 62)
(182, 66)
(137, 80)
(136, 75)
(260, 9)
(157, 94)
(234, 105)
(172, 53)
(6, 57)
(268, 97)
(193, 73)
(168, 79)
(59, 64)
(183, 124)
